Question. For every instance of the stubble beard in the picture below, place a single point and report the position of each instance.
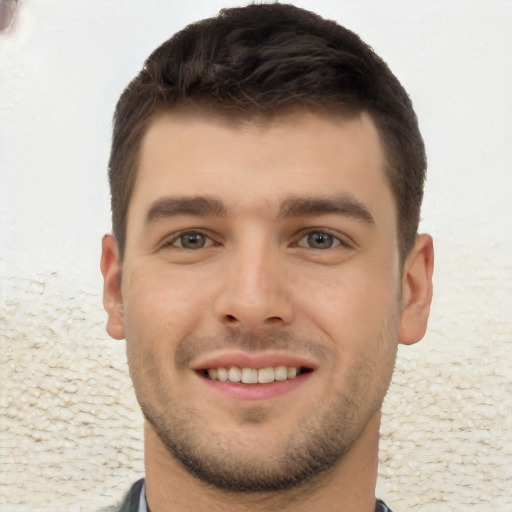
(312, 449)
(318, 443)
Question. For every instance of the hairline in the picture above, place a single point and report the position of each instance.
(225, 114)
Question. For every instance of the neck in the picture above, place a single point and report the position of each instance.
(348, 486)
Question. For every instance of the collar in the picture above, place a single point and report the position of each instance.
(380, 506)
(143, 504)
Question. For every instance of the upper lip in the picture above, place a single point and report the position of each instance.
(252, 360)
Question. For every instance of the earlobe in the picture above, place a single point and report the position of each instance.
(417, 290)
(112, 297)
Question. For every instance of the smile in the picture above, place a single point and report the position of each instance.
(266, 375)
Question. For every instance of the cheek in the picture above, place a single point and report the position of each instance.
(160, 308)
(158, 313)
(353, 305)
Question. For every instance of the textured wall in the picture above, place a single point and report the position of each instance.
(70, 431)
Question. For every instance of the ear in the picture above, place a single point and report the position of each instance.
(416, 290)
(112, 298)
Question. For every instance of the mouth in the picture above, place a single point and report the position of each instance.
(248, 375)
(242, 376)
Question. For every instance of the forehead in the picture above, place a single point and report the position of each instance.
(258, 162)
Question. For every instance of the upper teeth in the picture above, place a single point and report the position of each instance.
(253, 375)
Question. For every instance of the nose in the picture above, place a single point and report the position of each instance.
(254, 292)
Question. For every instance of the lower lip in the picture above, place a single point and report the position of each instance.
(252, 392)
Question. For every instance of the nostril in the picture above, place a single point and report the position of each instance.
(230, 318)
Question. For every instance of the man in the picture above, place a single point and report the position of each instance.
(266, 175)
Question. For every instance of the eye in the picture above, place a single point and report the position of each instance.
(191, 240)
(320, 240)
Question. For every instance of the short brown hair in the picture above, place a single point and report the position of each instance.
(259, 60)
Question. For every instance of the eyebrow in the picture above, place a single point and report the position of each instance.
(173, 206)
(343, 204)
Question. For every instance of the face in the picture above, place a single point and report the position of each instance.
(260, 292)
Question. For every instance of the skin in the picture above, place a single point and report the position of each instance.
(261, 285)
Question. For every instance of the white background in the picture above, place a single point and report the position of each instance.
(65, 437)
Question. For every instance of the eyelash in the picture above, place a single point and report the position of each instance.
(171, 242)
(209, 241)
(338, 242)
